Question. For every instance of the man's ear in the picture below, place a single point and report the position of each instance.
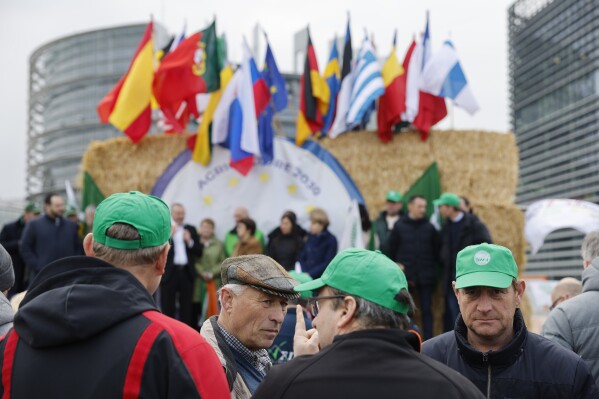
(348, 312)
(520, 287)
(161, 261)
(88, 245)
(455, 291)
(227, 299)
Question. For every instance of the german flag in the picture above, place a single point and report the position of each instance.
(127, 105)
(314, 98)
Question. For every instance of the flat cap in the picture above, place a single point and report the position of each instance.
(260, 272)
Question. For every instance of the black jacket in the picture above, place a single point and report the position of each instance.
(377, 363)
(285, 248)
(415, 244)
(10, 238)
(473, 232)
(530, 366)
(79, 329)
(193, 252)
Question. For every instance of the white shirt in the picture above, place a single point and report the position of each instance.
(180, 250)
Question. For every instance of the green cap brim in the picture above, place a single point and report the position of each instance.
(437, 202)
(310, 285)
(485, 279)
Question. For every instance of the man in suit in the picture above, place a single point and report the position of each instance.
(179, 275)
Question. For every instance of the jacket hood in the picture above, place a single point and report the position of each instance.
(590, 277)
(78, 297)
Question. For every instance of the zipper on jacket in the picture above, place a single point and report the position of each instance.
(486, 360)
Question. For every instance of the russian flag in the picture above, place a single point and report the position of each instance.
(236, 116)
(443, 76)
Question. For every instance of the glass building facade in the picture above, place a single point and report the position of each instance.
(554, 95)
(68, 77)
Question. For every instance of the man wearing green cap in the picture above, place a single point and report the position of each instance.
(491, 345)
(10, 238)
(459, 230)
(387, 219)
(88, 326)
(359, 347)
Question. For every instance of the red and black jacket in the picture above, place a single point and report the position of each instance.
(87, 329)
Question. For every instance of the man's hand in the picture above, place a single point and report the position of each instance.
(187, 237)
(304, 342)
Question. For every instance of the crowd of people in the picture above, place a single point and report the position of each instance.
(135, 302)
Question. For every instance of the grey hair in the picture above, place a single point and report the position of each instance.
(590, 246)
(370, 314)
(126, 257)
(236, 289)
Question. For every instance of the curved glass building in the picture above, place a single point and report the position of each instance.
(68, 77)
(554, 79)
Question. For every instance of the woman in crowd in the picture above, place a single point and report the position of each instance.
(247, 244)
(207, 267)
(285, 242)
(320, 247)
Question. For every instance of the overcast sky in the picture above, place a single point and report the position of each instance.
(477, 28)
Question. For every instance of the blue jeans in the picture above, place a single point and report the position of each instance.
(425, 292)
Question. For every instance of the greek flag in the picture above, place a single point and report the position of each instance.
(367, 87)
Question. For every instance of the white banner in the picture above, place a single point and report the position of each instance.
(298, 179)
(546, 216)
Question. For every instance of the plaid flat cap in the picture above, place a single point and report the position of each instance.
(260, 272)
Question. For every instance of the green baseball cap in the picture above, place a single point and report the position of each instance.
(367, 274)
(149, 215)
(393, 196)
(302, 278)
(70, 210)
(450, 199)
(485, 264)
(33, 207)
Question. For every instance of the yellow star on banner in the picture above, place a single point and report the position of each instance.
(233, 181)
(292, 189)
(309, 208)
(264, 177)
(208, 200)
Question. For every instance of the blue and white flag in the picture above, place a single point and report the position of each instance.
(368, 85)
(443, 76)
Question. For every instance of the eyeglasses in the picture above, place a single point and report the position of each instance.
(315, 307)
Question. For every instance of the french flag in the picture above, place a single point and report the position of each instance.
(443, 76)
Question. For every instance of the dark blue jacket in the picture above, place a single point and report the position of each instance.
(318, 251)
(46, 240)
(281, 350)
(415, 244)
(530, 366)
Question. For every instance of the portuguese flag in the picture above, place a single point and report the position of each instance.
(192, 68)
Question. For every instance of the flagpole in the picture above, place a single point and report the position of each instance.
(451, 115)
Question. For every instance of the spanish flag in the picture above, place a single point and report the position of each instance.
(127, 105)
(393, 102)
(314, 98)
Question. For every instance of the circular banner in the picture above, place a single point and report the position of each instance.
(298, 179)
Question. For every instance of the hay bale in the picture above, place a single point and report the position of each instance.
(118, 165)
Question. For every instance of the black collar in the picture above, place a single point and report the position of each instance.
(503, 357)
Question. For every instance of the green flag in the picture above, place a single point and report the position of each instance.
(428, 185)
(91, 194)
